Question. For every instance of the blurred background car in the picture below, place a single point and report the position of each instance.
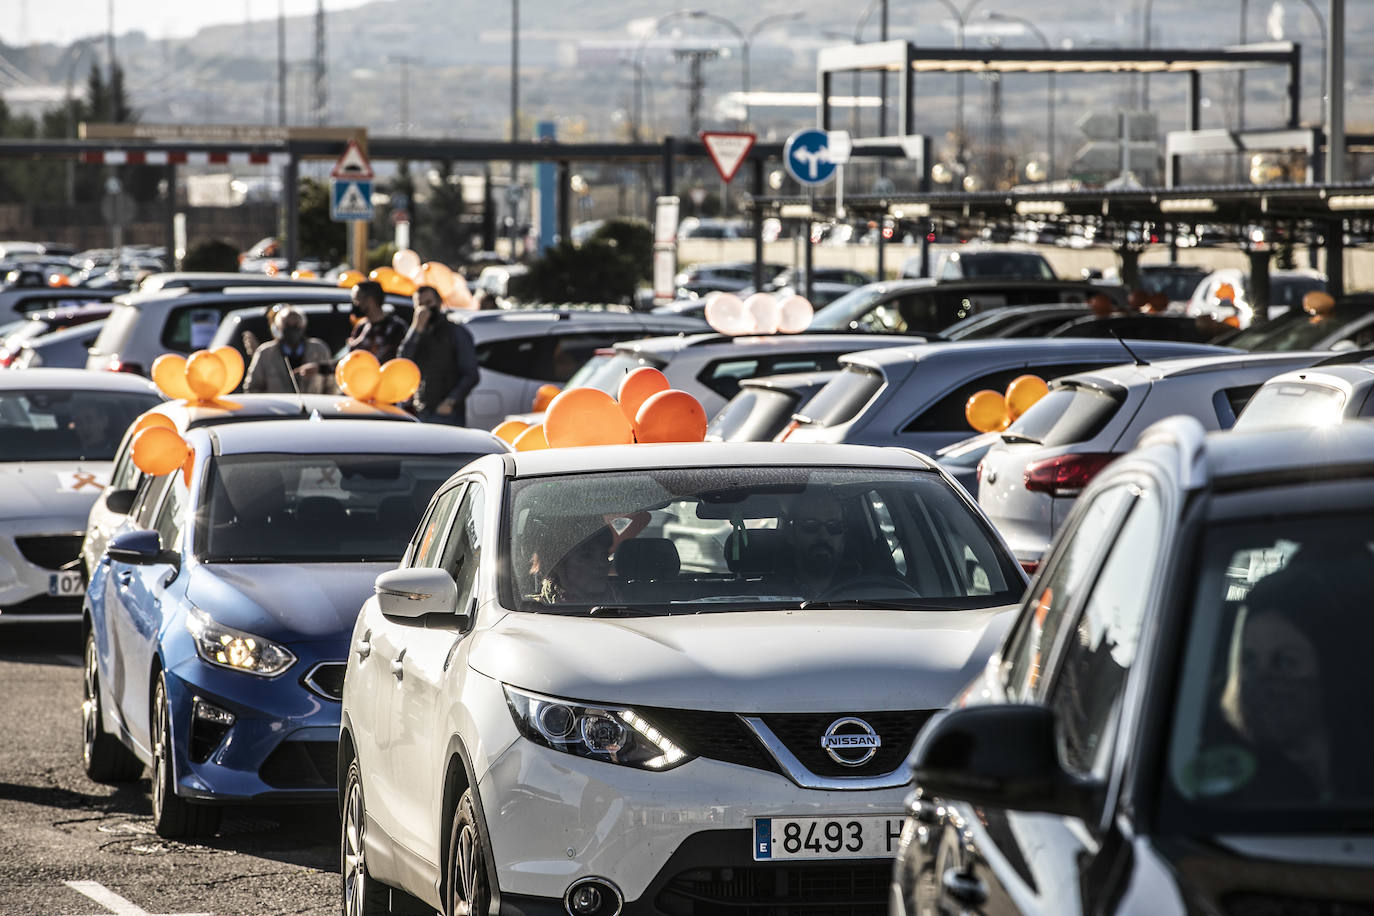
(764, 405)
(1286, 289)
(65, 349)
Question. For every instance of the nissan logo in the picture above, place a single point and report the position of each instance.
(851, 742)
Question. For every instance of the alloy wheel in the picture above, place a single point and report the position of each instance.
(353, 866)
(90, 704)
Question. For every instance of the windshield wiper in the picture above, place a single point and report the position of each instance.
(624, 610)
(1017, 437)
(912, 604)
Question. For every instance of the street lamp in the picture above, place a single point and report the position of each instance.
(749, 36)
(993, 16)
(639, 58)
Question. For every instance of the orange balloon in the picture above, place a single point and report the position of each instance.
(205, 374)
(638, 386)
(1317, 302)
(531, 440)
(1225, 291)
(985, 411)
(544, 396)
(393, 282)
(585, 416)
(158, 451)
(304, 273)
(670, 416)
(351, 278)
(169, 374)
(396, 381)
(359, 373)
(151, 419)
(439, 276)
(510, 430)
(188, 465)
(1024, 391)
(233, 367)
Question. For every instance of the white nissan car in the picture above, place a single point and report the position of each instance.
(683, 682)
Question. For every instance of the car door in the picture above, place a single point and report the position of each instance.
(417, 742)
(382, 646)
(1073, 654)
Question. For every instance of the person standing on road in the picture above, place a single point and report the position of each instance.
(447, 357)
(273, 362)
(377, 331)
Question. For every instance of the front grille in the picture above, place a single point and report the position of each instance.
(302, 765)
(717, 735)
(801, 733)
(52, 551)
(327, 679)
(45, 604)
(813, 889)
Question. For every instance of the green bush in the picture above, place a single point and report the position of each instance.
(599, 271)
(212, 254)
(634, 240)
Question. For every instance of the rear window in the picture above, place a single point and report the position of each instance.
(841, 400)
(753, 415)
(1068, 414)
(723, 376)
(192, 327)
(1291, 404)
(118, 329)
(608, 375)
(1004, 264)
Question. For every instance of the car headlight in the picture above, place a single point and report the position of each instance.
(231, 648)
(612, 734)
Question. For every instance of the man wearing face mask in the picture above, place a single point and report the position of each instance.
(273, 362)
(376, 331)
(447, 356)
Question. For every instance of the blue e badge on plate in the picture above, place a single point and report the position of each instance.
(763, 838)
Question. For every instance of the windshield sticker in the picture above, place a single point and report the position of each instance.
(1218, 771)
(88, 481)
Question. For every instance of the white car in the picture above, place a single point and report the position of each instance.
(1286, 289)
(59, 429)
(1028, 482)
(718, 720)
(1317, 397)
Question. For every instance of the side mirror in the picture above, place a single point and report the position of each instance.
(120, 501)
(140, 548)
(1001, 756)
(417, 592)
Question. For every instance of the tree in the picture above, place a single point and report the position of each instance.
(212, 254)
(320, 236)
(437, 229)
(599, 271)
(634, 240)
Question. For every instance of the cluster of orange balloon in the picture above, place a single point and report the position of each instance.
(362, 378)
(204, 377)
(988, 411)
(647, 409)
(158, 448)
(761, 313)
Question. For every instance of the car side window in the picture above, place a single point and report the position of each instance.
(145, 502)
(429, 539)
(463, 552)
(1088, 686)
(125, 473)
(570, 351)
(1043, 614)
(947, 414)
(168, 523)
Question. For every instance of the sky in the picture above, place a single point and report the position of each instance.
(62, 21)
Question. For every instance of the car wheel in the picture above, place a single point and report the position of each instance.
(468, 892)
(104, 757)
(362, 896)
(173, 817)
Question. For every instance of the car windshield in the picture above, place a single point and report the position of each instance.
(1270, 723)
(980, 265)
(67, 424)
(686, 541)
(850, 307)
(1292, 404)
(1299, 332)
(279, 508)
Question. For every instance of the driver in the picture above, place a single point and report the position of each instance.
(814, 531)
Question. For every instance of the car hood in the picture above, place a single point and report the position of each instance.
(285, 602)
(1285, 872)
(61, 492)
(760, 662)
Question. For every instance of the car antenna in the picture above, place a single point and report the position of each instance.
(291, 375)
(1135, 358)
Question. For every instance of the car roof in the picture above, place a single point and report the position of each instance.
(240, 408)
(77, 379)
(286, 292)
(359, 437)
(708, 455)
(1069, 346)
(1262, 452)
(1186, 366)
(1349, 376)
(184, 279)
(746, 345)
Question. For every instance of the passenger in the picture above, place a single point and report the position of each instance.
(814, 529)
(579, 576)
(273, 362)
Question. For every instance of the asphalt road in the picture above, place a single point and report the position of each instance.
(56, 826)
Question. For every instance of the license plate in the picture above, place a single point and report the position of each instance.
(858, 837)
(66, 584)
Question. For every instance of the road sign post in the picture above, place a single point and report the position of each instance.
(350, 197)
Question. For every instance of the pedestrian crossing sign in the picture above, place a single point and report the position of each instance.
(350, 200)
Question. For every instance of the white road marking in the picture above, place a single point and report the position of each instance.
(112, 901)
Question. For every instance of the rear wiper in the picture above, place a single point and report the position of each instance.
(1009, 438)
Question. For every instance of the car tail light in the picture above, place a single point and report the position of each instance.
(1066, 475)
(1030, 566)
(7, 358)
(116, 365)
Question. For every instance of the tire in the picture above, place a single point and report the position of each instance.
(465, 871)
(362, 895)
(103, 756)
(173, 816)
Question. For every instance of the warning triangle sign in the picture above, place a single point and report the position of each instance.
(727, 150)
(352, 164)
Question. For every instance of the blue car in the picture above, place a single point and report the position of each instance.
(218, 619)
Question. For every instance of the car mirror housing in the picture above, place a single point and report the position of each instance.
(416, 592)
(141, 548)
(1001, 756)
(120, 501)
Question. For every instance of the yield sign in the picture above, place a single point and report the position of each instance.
(727, 150)
(352, 164)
